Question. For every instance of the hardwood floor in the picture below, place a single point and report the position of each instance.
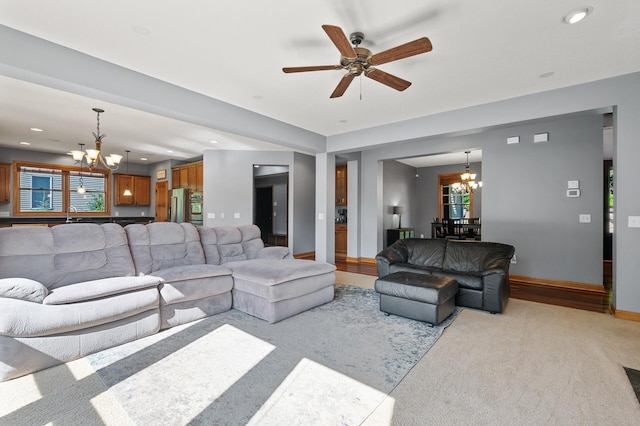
(357, 267)
(574, 296)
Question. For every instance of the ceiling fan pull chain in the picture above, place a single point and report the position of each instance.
(360, 86)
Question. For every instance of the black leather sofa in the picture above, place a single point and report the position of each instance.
(481, 268)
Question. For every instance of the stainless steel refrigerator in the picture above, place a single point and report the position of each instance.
(186, 206)
(180, 205)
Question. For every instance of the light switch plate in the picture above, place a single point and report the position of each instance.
(236, 215)
(211, 215)
(573, 184)
(513, 139)
(4, 214)
(634, 221)
(585, 218)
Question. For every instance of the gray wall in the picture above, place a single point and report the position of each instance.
(304, 203)
(399, 189)
(524, 194)
(228, 189)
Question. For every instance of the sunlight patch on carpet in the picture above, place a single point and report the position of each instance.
(313, 394)
(204, 370)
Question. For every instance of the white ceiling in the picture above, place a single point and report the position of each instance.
(234, 51)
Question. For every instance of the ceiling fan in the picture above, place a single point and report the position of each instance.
(357, 60)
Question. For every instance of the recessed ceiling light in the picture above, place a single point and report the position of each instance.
(170, 151)
(577, 15)
(25, 143)
(35, 129)
(213, 141)
(143, 158)
(546, 74)
(257, 97)
(343, 121)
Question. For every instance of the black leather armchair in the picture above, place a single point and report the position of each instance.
(481, 268)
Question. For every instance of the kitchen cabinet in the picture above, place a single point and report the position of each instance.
(341, 241)
(189, 176)
(140, 187)
(5, 179)
(341, 185)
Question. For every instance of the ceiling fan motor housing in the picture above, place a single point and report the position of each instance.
(356, 38)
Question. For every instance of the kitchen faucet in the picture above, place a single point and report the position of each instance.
(72, 209)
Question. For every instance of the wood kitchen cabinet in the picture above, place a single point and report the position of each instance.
(140, 187)
(341, 241)
(188, 176)
(341, 185)
(5, 178)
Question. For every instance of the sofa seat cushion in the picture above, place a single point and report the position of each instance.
(88, 290)
(191, 272)
(282, 279)
(409, 267)
(191, 282)
(471, 280)
(24, 319)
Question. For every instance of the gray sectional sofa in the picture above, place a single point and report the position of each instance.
(71, 290)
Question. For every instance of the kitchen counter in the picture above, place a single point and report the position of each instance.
(52, 221)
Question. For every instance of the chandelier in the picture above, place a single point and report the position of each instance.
(94, 156)
(468, 184)
(81, 189)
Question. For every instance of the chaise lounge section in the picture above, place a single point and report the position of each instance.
(75, 289)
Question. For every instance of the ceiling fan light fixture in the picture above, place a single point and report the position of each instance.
(577, 15)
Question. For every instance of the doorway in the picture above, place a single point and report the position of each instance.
(162, 201)
(271, 203)
(263, 217)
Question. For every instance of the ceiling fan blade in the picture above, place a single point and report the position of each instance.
(342, 86)
(387, 79)
(340, 40)
(312, 68)
(416, 47)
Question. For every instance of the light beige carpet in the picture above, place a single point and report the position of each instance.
(533, 365)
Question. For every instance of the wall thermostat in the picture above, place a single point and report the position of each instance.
(573, 193)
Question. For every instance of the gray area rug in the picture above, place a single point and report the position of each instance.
(333, 364)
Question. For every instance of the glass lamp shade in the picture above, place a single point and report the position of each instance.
(77, 155)
(127, 192)
(115, 158)
(81, 189)
(92, 154)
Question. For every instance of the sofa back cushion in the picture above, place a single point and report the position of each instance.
(209, 241)
(238, 243)
(424, 252)
(476, 256)
(65, 254)
(162, 245)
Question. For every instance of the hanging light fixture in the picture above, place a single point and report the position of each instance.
(127, 191)
(94, 156)
(81, 189)
(468, 184)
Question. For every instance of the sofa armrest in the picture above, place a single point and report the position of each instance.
(498, 266)
(388, 257)
(274, 252)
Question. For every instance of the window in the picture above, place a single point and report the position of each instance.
(50, 190)
(453, 205)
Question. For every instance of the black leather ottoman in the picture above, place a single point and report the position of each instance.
(422, 297)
